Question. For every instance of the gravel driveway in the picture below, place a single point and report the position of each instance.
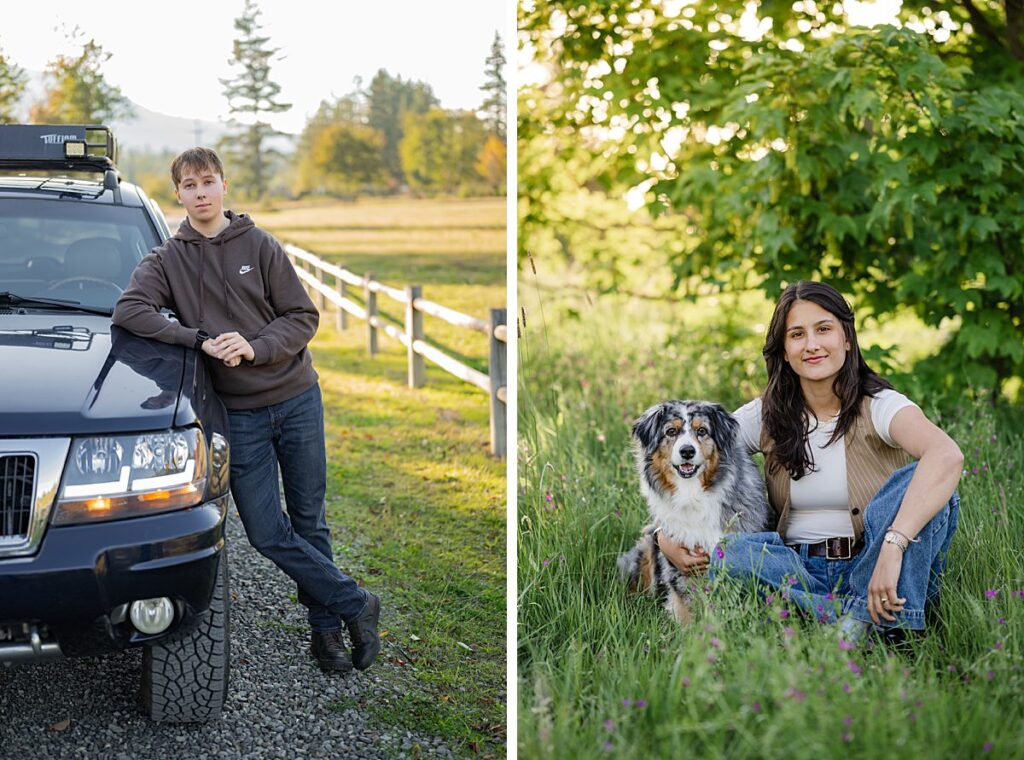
(279, 703)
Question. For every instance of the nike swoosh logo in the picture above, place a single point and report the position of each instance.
(245, 270)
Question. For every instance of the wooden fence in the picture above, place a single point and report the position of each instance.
(332, 283)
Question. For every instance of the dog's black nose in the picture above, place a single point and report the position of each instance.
(687, 452)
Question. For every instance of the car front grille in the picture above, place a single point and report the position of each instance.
(17, 488)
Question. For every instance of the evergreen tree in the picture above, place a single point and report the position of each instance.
(390, 99)
(77, 92)
(494, 104)
(250, 94)
(12, 85)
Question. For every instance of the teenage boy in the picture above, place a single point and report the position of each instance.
(239, 300)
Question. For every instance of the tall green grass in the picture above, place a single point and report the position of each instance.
(606, 673)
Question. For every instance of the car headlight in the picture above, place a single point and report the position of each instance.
(113, 477)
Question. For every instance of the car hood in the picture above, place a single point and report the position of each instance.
(71, 374)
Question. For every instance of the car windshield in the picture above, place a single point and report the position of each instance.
(71, 250)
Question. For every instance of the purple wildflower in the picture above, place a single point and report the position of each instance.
(609, 725)
(756, 707)
(791, 581)
(847, 738)
(854, 667)
(719, 553)
(830, 597)
(846, 688)
(999, 645)
(848, 721)
(783, 614)
(1001, 621)
(788, 632)
(992, 593)
(846, 645)
(640, 703)
(911, 716)
(796, 694)
(608, 746)
(987, 747)
(1019, 593)
(974, 471)
(716, 642)
(627, 703)
(546, 562)
(989, 675)
(686, 682)
(771, 598)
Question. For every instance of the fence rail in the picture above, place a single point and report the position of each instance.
(314, 271)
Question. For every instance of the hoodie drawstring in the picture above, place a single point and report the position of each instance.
(239, 224)
(202, 280)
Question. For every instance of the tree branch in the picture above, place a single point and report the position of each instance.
(1014, 14)
(982, 24)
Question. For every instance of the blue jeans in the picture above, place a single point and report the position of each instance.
(828, 589)
(291, 435)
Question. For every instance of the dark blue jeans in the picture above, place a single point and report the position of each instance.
(827, 589)
(291, 435)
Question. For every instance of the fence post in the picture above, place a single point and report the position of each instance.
(414, 331)
(341, 318)
(321, 301)
(498, 371)
(371, 314)
(309, 288)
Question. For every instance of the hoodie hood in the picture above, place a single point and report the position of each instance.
(238, 225)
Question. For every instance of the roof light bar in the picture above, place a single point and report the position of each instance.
(70, 147)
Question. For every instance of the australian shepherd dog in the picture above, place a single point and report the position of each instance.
(699, 485)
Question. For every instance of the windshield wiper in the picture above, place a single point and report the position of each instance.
(6, 297)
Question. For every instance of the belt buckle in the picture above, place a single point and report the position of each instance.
(838, 542)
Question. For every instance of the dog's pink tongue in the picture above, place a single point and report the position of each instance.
(687, 468)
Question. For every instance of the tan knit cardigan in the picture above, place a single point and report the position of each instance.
(869, 463)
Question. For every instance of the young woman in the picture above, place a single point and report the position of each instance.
(862, 534)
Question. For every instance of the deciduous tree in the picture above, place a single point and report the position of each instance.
(440, 149)
(491, 164)
(885, 160)
(12, 85)
(77, 91)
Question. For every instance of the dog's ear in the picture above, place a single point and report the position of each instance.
(724, 427)
(647, 428)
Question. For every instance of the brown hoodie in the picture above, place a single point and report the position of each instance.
(239, 281)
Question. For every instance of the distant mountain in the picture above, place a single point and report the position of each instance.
(150, 130)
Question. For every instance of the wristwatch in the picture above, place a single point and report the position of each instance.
(201, 337)
(892, 537)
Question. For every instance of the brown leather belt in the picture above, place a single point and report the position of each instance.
(840, 547)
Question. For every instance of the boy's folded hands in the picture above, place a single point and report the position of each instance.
(230, 348)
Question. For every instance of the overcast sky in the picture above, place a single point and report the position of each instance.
(169, 56)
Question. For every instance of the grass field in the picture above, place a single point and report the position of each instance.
(454, 248)
(416, 504)
(606, 673)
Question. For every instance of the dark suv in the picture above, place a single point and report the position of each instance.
(113, 448)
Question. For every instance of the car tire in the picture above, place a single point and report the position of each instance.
(185, 679)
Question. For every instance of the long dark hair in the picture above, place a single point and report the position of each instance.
(783, 411)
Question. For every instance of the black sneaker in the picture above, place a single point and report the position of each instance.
(363, 632)
(329, 651)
